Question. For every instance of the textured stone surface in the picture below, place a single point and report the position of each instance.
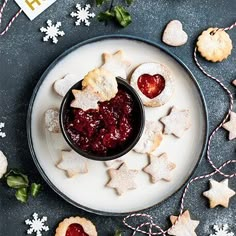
(23, 59)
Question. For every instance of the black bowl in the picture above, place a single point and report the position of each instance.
(138, 125)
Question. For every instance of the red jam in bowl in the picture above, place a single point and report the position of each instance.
(103, 130)
(75, 230)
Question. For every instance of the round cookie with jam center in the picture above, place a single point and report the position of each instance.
(76, 226)
(154, 83)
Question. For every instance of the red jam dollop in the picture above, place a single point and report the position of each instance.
(151, 85)
(100, 131)
(75, 230)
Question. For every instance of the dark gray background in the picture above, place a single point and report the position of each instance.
(23, 59)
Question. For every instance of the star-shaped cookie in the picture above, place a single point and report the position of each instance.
(122, 179)
(231, 126)
(219, 193)
(185, 226)
(176, 122)
(116, 64)
(159, 168)
(72, 163)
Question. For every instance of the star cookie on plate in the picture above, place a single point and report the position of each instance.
(231, 126)
(184, 226)
(116, 64)
(73, 163)
(122, 179)
(219, 193)
(159, 168)
(176, 122)
(76, 226)
(151, 137)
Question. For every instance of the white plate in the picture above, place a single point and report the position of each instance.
(88, 191)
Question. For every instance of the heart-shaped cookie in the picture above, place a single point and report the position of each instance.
(63, 85)
(151, 85)
(174, 35)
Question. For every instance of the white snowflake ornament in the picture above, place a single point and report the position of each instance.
(52, 31)
(222, 230)
(36, 225)
(2, 134)
(83, 14)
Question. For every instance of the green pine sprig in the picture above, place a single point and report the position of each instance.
(117, 13)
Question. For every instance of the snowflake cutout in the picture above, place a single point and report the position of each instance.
(222, 231)
(2, 134)
(83, 14)
(36, 225)
(52, 31)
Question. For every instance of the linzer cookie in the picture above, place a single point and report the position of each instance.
(154, 84)
(214, 44)
(76, 226)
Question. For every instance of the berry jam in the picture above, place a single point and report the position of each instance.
(151, 85)
(75, 230)
(103, 130)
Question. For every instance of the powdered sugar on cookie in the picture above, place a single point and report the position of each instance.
(159, 168)
(84, 99)
(154, 84)
(174, 35)
(177, 122)
(122, 179)
(116, 64)
(98, 85)
(184, 226)
(151, 137)
(73, 163)
(63, 85)
(52, 120)
(231, 126)
(219, 193)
